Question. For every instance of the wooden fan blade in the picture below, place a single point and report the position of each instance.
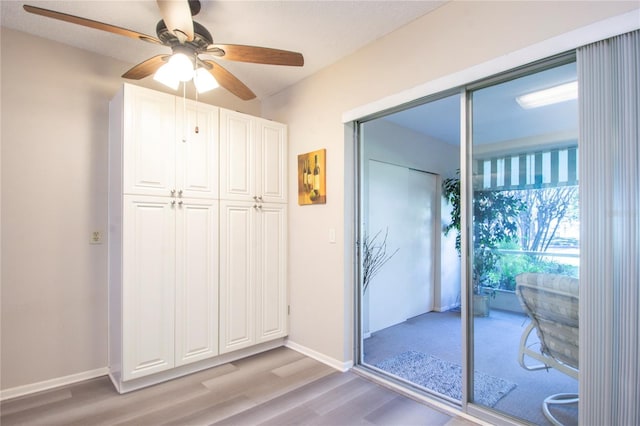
(90, 23)
(176, 15)
(230, 82)
(256, 55)
(146, 68)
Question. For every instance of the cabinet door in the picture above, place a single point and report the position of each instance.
(149, 142)
(237, 156)
(237, 292)
(148, 253)
(196, 149)
(271, 272)
(271, 154)
(196, 280)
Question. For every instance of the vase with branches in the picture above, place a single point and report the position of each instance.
(374, 256)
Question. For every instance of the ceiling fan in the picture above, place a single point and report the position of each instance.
(187, 39)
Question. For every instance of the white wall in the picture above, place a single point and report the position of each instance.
(54, 193)
(454, 37)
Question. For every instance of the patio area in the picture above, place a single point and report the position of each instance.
(496, 340)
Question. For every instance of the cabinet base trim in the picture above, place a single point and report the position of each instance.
(52, 383)
(331, 362)
(132, 385)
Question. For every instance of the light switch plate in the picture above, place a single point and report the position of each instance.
(332, 235)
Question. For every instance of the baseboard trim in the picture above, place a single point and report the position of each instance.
(331, 362)
(446, 308)
(52, 383)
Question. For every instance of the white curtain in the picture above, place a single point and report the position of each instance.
(609, 163)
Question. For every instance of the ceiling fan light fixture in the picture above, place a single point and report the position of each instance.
(181, 66)
(166, 76)
(204, 81)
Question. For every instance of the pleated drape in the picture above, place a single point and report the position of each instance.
(609, 99)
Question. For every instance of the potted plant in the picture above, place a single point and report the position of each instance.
(494, 222)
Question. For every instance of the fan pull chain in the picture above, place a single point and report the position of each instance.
(197, 129)
(184, 111)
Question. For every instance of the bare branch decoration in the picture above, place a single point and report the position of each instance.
(374, 256)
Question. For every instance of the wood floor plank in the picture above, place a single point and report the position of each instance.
(294, 367)
(17, 405)
(212, 413)
(289, 401)
(403, 411)
(355, 410)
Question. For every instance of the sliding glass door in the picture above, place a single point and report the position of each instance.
(507, 342)
(524, 244)
(410, 293)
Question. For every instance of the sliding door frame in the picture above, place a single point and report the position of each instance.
(466, 160)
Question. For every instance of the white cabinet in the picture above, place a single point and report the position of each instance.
(169, 277)
(253, 155)
(253, 298)
(163, 233)
(170, 145)
(197, 236)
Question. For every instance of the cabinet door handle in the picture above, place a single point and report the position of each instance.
(255, 197)
(173, 192)
(260, 198)
(180, 193)
(180, 203)
(173, 203)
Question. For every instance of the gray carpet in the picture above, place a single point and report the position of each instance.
(445, 377)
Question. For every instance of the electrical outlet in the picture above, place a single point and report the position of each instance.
(96, 237)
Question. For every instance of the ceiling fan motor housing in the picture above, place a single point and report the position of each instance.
(201, 37)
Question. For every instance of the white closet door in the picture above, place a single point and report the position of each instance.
(271, 155)
(237, 290)
(237, 156)
(148, 298)
(197, 149)
(401, 202)
(271, 280)
(421, 228)
(149, 142)
(196, 280)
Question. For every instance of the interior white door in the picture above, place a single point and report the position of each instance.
(401, 203)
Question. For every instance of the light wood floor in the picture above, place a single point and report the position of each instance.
(279, 387)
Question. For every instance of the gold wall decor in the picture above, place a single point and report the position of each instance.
(311, 178)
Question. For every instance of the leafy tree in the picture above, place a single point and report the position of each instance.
(546, 209)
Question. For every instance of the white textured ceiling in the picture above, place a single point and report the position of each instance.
(323, 31)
